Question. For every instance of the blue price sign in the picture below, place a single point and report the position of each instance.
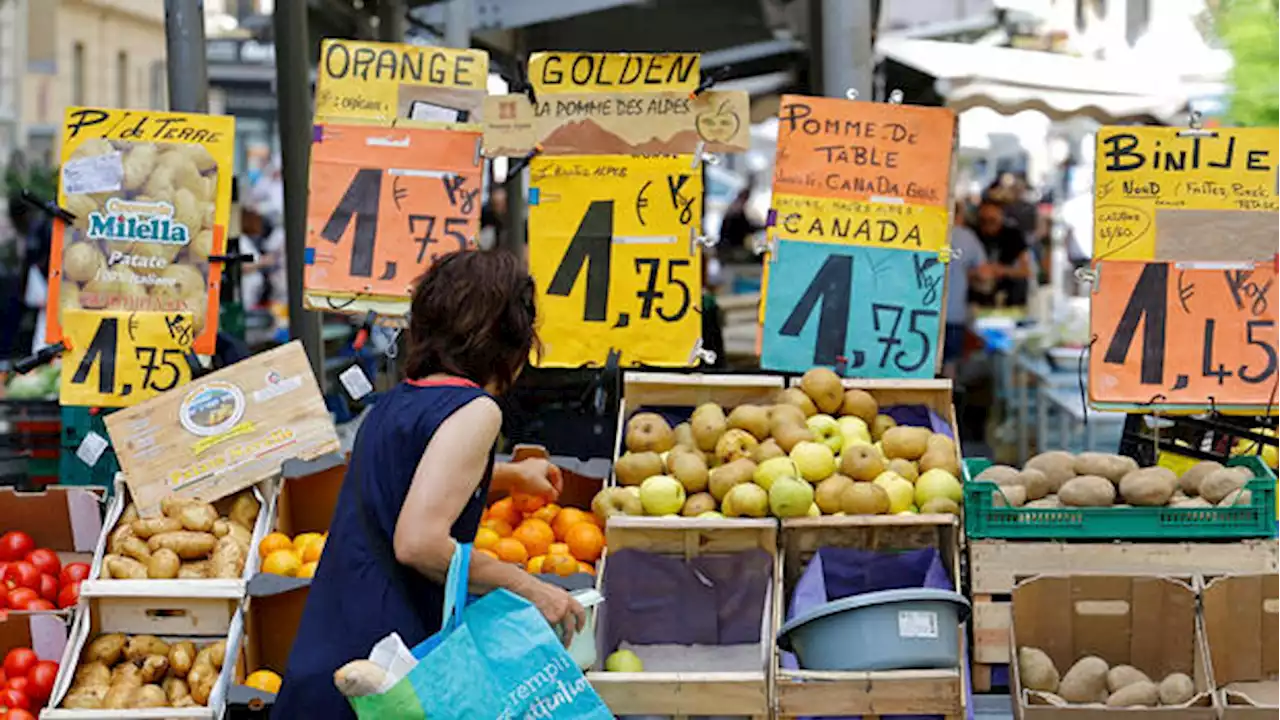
(867, 312)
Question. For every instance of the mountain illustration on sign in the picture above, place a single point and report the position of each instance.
(587, 136)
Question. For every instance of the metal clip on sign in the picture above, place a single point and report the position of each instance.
(1196, 127)
(695, 240)
(701, 353)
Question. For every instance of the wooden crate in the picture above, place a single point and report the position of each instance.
(995, 566)
(690, 694)
(809, 693)
(934, 394)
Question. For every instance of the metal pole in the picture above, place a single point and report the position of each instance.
(293, 93)
(188, 74)
(847, 61)
(391, 20)
(457, 24)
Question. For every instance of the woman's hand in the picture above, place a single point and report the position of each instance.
(558, 607)
(537, 476)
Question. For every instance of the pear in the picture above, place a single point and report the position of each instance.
(766, 450)
(879, 424)
(823, 386)
(617, 501)
(797, 397)
(634, 468)
(786, 414)
(735, 443)
(752, 418)
(725, 477)
(904, 468)
(788, 436)
(906, 442)
(684, 436)
(707, 424)
(860, 403)
(864, 498)
(691, 470)
(861, 462)
(699, 503)
(829, 491)
(649, 431)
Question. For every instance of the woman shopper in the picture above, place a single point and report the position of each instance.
(418, 480)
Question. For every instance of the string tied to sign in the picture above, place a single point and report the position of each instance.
(1080, 381)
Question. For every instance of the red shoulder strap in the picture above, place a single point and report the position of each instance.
(450, 381)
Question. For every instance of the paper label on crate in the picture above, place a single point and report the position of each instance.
(356, 382)
(91, 448)
(917, 624)
(96, 174)
(48, 636)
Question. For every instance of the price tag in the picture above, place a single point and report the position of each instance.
(1182, 334)
(356, 382)
(91, 448)
(1162, 193)
(386, 81)
(384, 204)
(867, 311)
(118, 359)
(611, 248)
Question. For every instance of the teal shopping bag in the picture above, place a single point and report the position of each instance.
(495, 657)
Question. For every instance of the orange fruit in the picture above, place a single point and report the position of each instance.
(511, 550)
(567, 518)
(307, 570)
(312, 550)
(587, 568)
(558, 549)
(536, 536)
(263, 680)
(302, 540)
(525, 504)
(560, 565)
(273, 542)
(547, 513)
(282, 562)
(585, 541)
(486, 538)
(535, 564)
(502, 527)
(504, 509)
(490, 553)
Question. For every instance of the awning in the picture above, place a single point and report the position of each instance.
(1010, 80)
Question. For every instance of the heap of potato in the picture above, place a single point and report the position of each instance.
(1091, 680)
(142, 671)
(1059, 479)
(817, 449)
(189, 540)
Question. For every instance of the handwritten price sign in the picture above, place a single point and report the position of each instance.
(385, 203)
(1165, 194)
(119, 359)
(869, 312)
(611, 248)
(1179, 334)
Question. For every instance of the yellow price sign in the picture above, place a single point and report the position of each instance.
(1163, 193)
(119, 359)
(613, 251)
(618, 72)
(900, 226)
(385, 82)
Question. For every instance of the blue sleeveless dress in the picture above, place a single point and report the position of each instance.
(360, 593)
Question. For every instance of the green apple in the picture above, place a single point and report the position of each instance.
(826, 430)
(790, 497)
(746, 500)
(815, 461)
(661, 495)
(623, 661)
(854, 430)
(938, 483)
(900, 490)
(711, 515)
(814, 510)
(772, 469)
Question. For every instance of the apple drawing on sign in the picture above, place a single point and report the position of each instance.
(720, 125)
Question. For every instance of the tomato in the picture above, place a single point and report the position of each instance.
(20, 684)
(15, 545)
(39, 604)
(11, 698)
(73, 572)
(19, 662)
(40, 681)
(19, 597)
(48, 587)
(22, 574)
(69, 595)
(19, 714)
(46, 561)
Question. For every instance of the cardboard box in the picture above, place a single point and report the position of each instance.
(1147, 622)
(308, 494)
(1242, 636)
(67, 520)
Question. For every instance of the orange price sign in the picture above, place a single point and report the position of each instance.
(385, 203)
(1184, 334)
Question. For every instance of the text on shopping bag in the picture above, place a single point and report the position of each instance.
(119, 359)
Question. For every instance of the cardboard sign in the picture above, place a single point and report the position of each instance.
(151, 194)
(388, 83)
(118, 359)
(855, 222)
(1184, 334)
(666, 123)
(611, 248)
(384, 204)
(224, 432)
(868, 312)
(1163, 193)
(602, 72)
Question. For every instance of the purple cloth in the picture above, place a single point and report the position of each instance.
(837, 573)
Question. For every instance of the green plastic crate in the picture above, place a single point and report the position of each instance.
(982, 519)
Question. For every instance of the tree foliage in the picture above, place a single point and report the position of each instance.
(1249, 30)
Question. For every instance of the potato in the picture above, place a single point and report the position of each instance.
(189, 545)
(198, 517)
(92, 674)
(1058, 466)
(1236, 497)
(125, 678)
(1010, 496)
(185, 702)
(1190, 481)
(359, 678)
(244, 510)
(148, 696)
(1086, 681)
(196, 570)
(221, 527)
(147, 527)
(200, 681)
(182, 655)
(175, 689)
(1122, 676)
(164, 564)
(212, 654)
(1087, 491)
(154, 668)
(172, 505)
(1175, 689)
(1218, 484)
(1036, 483)
(1110, 466)
(241, 535)
(1195, 502)
(228, 558)
(124, 568)
(139, 647)
(85, 698)
(1139, 694)
(1148, 487)
(135, 548)
(908, 443)
(1045, 503)
(1037, 670)
(129, 515)
(116, 540)
(999, 474)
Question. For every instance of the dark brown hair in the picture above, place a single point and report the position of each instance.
(473, 315)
